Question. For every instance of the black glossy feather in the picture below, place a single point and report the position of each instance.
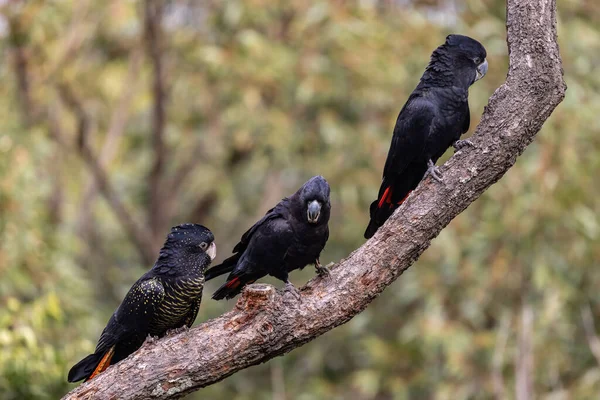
(282, 241)
(434, 117)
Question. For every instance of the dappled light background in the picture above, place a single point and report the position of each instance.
(120, 119)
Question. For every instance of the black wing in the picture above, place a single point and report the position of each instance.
(263, 253)
(135, 313)
(410, 135)
(402, 170)
(230, 263)
(274, 213)
(191, 317)
(467, 122)
(125, 331)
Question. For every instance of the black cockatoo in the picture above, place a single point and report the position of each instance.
(433, 119)
(164, 298)
(290, 236)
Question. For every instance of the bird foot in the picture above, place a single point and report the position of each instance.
(151, 339)
(460, 144)
(322, 271)
(293, 291)
(434, 171)
(172, 332)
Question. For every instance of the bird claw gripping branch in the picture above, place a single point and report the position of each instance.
(461, 144)
(434, 171)
(293, 291)
(322, 271)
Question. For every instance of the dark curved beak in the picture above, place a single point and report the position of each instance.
(212, 251)
(481, 70)
(314, 211)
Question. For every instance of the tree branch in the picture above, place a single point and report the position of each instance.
(265, 324)
(112, 140)
(153, 11)
(524, 357)
(498, 359)
(17, 38)
(80, 29)
(590, 331)
(33, 113)
(139, 236)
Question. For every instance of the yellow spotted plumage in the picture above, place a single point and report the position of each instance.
(166, 297)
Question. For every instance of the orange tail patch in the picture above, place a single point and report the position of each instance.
(386, 198)
(103, 364)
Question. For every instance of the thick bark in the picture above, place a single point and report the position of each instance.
(265, 323)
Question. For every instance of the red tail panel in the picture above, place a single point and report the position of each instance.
(386, 198)
(233, 284)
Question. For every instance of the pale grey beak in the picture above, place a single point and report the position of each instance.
(313, 212)
(481, 70)
(212, 251)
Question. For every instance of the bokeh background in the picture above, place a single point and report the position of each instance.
(122, 118)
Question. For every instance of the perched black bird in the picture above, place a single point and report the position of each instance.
(166, 297)
(434, 117)
(289, 236)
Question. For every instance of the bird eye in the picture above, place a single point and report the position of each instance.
(477, 60)
(204, 245)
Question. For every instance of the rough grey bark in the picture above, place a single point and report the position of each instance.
(265, 324)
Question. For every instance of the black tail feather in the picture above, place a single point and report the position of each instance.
(378, 217)
(371, 229)
(373, 225)
(225, 267)
(234, 286)
(84, 368)
(229, 289)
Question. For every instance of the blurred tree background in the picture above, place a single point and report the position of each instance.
(122, 118)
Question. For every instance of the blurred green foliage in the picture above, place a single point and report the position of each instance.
(262, 95)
